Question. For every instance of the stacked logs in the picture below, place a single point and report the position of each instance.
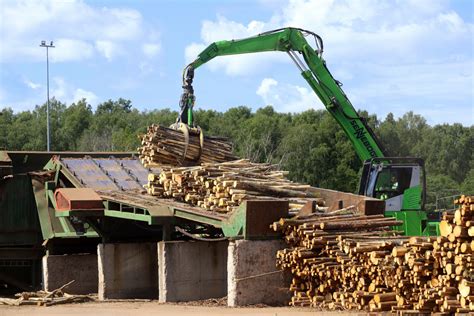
(221, 187)
(355, 262)
(165, 146)
(454, 253)
(329, 257)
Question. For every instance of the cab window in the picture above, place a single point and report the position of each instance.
(392, 182)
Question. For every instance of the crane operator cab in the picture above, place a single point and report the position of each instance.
(400, 182)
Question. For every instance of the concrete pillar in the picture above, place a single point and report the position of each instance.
(61, 269)
(252, 277)
(128, 270)
(192, 270)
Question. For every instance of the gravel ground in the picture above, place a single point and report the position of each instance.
(129, 308)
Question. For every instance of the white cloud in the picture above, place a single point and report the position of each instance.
(107, 48)
(408, 54)
(151, 49)
(120, 24)
(31, 84)
(287, 97)
(224, 29)
(381, 31)
(265, 87)
(361, 30)
(192, 51)
(78, 29)
(68, 93)
(90, 96)
(60, 89)
(70, 50)
(444, 88)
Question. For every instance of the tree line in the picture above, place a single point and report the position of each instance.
(310, 144)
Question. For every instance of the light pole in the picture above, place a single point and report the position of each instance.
(43, 44)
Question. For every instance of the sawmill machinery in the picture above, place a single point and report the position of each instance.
(68, 202)
(399, 181)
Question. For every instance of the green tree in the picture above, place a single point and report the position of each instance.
(441, 190)
(319, 153)
(311, 145)
(77, 119)
(6, 122)
(467, 187)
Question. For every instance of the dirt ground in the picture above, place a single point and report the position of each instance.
(154, 308)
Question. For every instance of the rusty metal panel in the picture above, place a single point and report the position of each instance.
(6, 167)
(336, 200)
(19, 223)
(112, 168)
(260, 214)
(107, 174)
(25, 161)
(135, 169)
(89, 173)
(70, 199)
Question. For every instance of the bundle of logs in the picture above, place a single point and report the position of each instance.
(166, 146)
(221, 187)
(357, 262)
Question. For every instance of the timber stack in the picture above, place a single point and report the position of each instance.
(165, 146)
(221, 187)
(356, 262)
(329, 257)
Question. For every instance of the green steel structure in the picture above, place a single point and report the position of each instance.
(127, 213)
(64, 203)
(398, 181)
(28, 223)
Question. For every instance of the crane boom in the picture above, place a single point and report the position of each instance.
(314, 71)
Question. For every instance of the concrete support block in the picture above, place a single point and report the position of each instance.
(59, 270)
(192, 270)
(128, 270)
(252, 276)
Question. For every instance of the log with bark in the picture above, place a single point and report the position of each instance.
(221, 187)
(45, 298)
(356, 262)
(165, 146)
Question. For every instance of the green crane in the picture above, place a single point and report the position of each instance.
(398, 181)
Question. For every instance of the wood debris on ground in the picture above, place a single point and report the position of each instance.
(45, 298)
(165, 146)
(354, 262)
(221, 187)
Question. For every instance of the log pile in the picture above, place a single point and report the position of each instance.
(221, 187)
(329, 257)
(165, 146)
(355, 262)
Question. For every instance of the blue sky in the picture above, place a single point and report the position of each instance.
(392, 56)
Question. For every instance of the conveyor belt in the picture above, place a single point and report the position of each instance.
(119, 182)
(157, 207)
(110, 174)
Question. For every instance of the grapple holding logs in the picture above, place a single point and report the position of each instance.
(175, 147)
